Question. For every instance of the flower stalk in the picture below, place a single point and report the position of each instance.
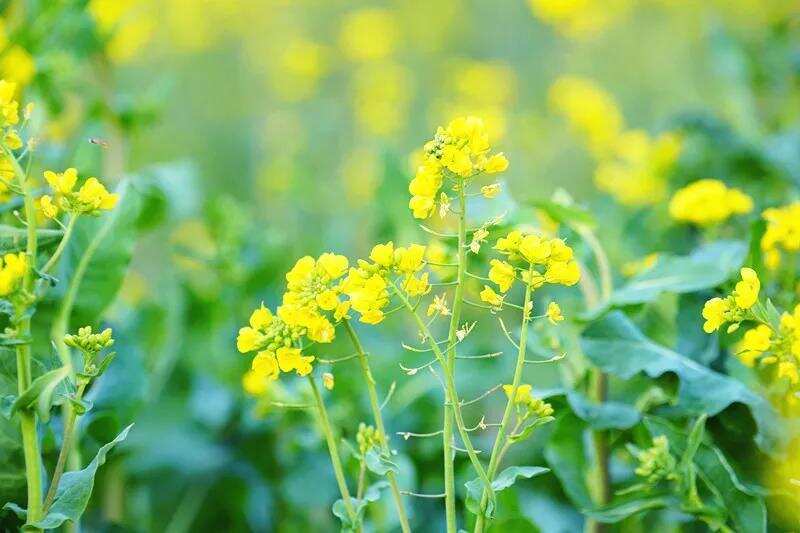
(378, 419)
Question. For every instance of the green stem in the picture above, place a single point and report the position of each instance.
(450, 391)
(501, 439)
(378, 418)
(598, 386)
(61, 245)
(30, 441)
(333, 450)
(64, 453)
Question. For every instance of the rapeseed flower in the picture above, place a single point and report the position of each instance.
(782, 233)
(708, 202)
(544, 261)
(12, 271)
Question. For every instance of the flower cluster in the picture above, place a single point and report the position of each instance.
(632, 166)
(708, 202)
(90, 343)
(367, 438)
(90, 199)
(9, 115)
(779, 347)
(656, 463)
(733, 308)
(525, 400)
(459, 151)
(545, 260)
(635, 171)
(313, 288)
(782, 233)
(12, 270)
(367, 286)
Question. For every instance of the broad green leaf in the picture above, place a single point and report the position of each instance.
(616, 346)
(565, 455)
(41, 392)
(12, 462)
(378, 464)
(605, 415)
(706, 267)
(502, 481)
(745, 507)
(75, 488)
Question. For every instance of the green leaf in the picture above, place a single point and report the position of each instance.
(75, 488)
(12, 462)
(625, 508)
(745, 507)
(563, 213)
(378, 463)
(616, 346)
(502, 481)
(708, 266)
(527, 431)
(605, 415)
(372, 494)
(41, 393)
(565, 455)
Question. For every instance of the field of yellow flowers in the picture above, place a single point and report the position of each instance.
(394, 266)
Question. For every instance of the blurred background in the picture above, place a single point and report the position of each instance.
(264, 130)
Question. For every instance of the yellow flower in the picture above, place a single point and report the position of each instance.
(12, 140)
(496, 163)
(327, 300)
(261, 318)
(9, 107)
(502, 274)
(48, 207)
(783, 232)
(563, 272)
(535, 249)
(266, 365)
(248, 340)
(417, 286)
(411, 259)
(708, 202)
(12, 271)
(254, 383)
(94, 196)
(755, 342)
(715, 311)
(523, 395)
(373, 316)
(553, 313)
(292, 359)
(341, 310)
(490, 191)
(788, 370)
(61, 182)
(510, 243)
(335, 266)
(320, 329)
(745, 293)
(422, 206)
(383, 254)
(491, 297)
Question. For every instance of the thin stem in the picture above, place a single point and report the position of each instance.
(378, 418)
(30, 441)
(63, 454)
(450, 390)
(333, 450)
(61, 245)
(598, 387)
(500, 441)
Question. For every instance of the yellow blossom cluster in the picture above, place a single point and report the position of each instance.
(9, 115)
(733, 308)
(91, 198)
(545, 261)
(274, 339)
(635, 170)
(782, 233)
(632, 166)
(367, 286)
(707, 202)
(525, 399)
(459, 151)
(777, 349)
(12, 270)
